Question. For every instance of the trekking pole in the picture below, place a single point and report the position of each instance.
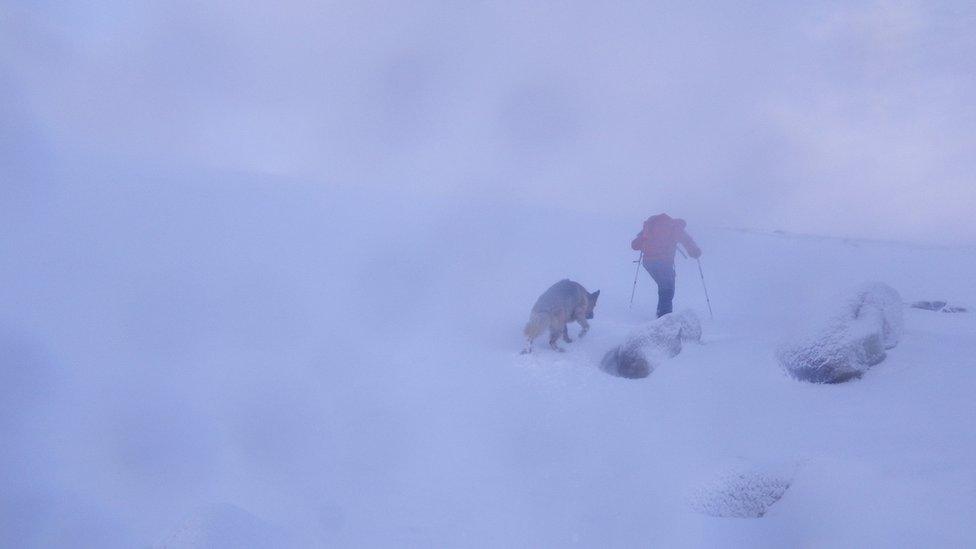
(636, 274)
(709, 301)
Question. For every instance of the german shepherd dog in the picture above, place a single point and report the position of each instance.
(564, 302)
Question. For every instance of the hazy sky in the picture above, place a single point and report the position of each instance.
(832, 117)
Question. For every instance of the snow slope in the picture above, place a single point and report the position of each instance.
(343, 370)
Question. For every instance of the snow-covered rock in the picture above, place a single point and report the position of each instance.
(883, 303)
(646, 348)
(852, 341)
(740, 494)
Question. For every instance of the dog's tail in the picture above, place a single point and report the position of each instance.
(537, 323)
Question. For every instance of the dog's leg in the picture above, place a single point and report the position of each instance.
(566, 334)
(553, 338)
(584, 324)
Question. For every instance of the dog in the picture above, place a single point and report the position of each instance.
(564, 302)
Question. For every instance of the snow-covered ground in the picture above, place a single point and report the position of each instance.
(267, 361)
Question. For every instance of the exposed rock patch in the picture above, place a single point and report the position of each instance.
(940, 306)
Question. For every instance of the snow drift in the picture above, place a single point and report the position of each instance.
(646, 348)
(853, 340)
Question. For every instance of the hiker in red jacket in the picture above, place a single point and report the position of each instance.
(658, 241)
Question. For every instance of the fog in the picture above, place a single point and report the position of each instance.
(272, 260)
(759, 115)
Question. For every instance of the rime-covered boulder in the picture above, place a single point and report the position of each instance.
(882, 303)
(653, 343)
(740, 494)
(851, 341)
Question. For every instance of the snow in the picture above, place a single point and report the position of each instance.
(348, 375)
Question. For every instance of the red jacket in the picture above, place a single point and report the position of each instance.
(661, 235)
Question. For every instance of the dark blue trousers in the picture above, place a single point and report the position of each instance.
(663, 274)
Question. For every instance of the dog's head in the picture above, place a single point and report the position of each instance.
(591, 303)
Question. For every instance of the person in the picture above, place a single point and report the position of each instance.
(658, 241)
